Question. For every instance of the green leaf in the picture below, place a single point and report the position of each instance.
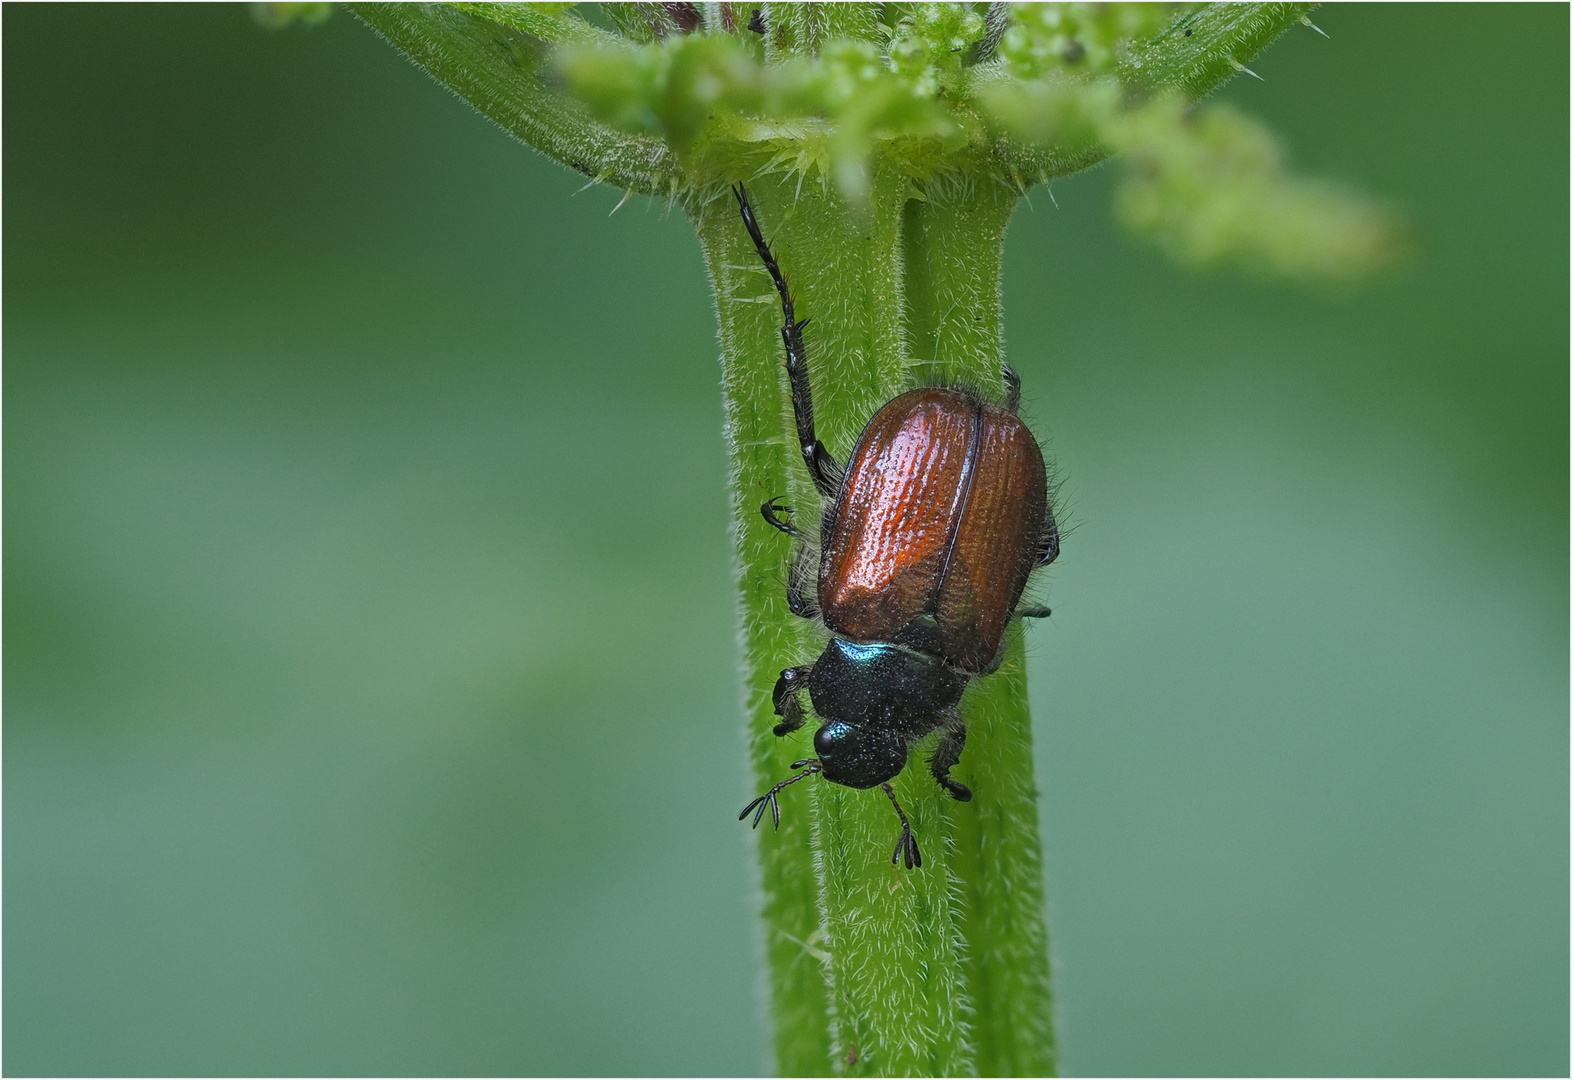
(1199, 51)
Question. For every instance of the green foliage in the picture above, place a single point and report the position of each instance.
(829, 94)
(1090, 39)
(1210, 187)
(886, 147)
(1069, 84)
(719, 105)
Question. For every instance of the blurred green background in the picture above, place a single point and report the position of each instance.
(371, 684)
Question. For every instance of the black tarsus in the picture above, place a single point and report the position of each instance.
(945, 757)
(1048, 543)
(756, 21)
(1034, 612)
(770, 509)
(1012, 390)
(824, 469)
(768, 798)
(906, 846)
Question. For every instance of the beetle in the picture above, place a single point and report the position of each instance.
(926, 541)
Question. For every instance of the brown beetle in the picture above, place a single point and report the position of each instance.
(926, 542)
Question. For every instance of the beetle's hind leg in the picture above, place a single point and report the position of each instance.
(1048, 542)
(945, 757)
(824, 469)
(788, 698)
(1012, 390)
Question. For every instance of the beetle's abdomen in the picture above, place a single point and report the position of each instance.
(932, 535)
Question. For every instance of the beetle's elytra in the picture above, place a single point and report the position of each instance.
(926, 542)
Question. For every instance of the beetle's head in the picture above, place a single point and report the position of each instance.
(859, 757)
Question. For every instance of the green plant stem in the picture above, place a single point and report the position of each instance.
(846, 279)
(954, 246)
(941, 971)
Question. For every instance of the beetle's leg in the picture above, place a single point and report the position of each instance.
(1048, 542)
(788, 699)
(767, 801)
(906, 846)
(802, 583)
(824, 469)
(1032, 613)
(945, 757)
(1012, 390)
(770, 509)
(802, 578)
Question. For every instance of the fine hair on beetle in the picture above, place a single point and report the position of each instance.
(927, 536)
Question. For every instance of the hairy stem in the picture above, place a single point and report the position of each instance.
(845, 274)
(954, 242)
(878, 971)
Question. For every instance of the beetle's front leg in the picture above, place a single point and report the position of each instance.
(788, 699)
(767, 801)
(906, 845)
